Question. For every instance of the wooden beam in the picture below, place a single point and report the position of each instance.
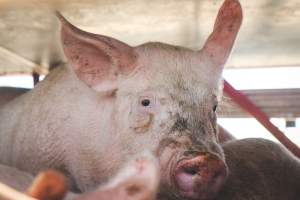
(28, 63)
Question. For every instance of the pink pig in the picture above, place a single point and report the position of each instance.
(112, 101)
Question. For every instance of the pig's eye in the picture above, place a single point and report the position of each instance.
(145, 102)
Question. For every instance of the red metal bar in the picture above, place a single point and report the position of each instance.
(245, 103)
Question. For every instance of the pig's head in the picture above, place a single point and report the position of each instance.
(163, 98)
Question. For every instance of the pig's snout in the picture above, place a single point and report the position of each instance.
(201, 177)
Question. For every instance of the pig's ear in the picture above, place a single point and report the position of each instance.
(218, 46)
(97, 60)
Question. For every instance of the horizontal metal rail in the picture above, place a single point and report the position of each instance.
(245, 103)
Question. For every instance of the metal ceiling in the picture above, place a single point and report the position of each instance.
(270, 35)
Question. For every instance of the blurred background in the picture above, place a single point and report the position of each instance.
(264, 65)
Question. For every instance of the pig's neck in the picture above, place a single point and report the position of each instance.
(49, 124)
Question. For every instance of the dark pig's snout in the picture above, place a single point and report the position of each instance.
(200, 177)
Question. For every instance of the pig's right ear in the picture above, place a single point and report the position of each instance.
(218, 46)
(97, 60)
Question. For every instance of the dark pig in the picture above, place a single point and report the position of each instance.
(260, 170)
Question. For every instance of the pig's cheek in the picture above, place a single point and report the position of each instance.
(142, 122)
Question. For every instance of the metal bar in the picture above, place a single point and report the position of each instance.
(35, 67)
(280, 103)
(245, 103)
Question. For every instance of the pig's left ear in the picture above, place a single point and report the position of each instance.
(97, 60)
(218, 46)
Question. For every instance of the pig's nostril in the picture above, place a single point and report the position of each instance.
(217, 174)
(190, 170)
(200, 177)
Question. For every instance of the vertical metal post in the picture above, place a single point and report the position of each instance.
(36, 78)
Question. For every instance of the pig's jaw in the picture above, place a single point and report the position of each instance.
(196, 176)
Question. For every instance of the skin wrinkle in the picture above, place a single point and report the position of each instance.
(145, 125)
(164, 190)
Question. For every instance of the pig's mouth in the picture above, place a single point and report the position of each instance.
(199, 177)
